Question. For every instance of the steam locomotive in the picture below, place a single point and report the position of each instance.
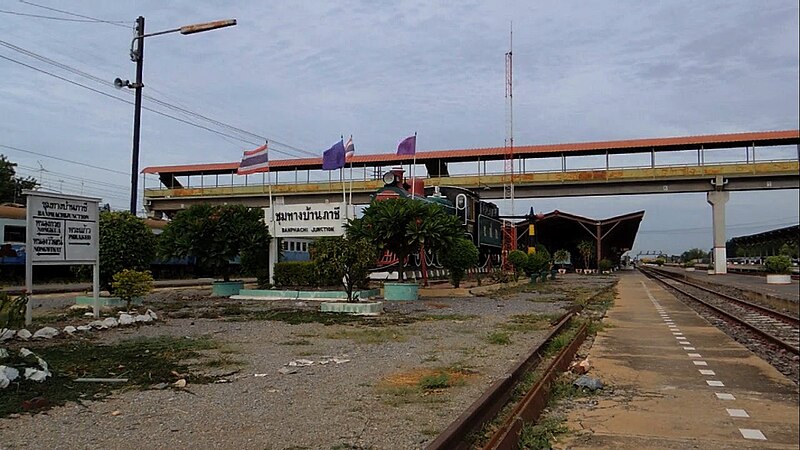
(480, 219)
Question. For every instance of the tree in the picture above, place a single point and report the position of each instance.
(459, 257)
(129, 284)
(778, 264)
(517, 258)
(215, 235)
(344, 258)
(403, 226)
(537, 263)
(11, 186)
(693, 254)
(126, 242)
(586, 249)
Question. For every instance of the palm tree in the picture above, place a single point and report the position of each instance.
(403, 226)
(586, 249)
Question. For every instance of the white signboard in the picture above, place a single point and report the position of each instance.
(62, 229)
(308, 221)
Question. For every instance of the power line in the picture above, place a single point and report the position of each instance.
(39, 16)
(153, 99)
(92, 19)
(83, 164)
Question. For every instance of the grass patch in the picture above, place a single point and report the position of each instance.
(295, 342)
(422, 385)
(370, 335)
(498, 338)
(144, 361)
(454, 317)
(525, 323)
(541, 435)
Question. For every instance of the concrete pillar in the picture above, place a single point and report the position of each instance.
(717, 200)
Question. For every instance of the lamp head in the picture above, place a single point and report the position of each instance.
(119, 84)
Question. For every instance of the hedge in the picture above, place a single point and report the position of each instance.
(297, 274)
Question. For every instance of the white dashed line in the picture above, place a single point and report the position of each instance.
(700, 363)
(752, 434)
(714, 383)
(737, 412)
(694, 355)
(689, 348)
(707, 372)
(684, 343)
(722, 396)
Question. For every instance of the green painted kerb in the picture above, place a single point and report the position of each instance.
(226, 288)
(400, 291)
(306, 295)
(112, 302)
(359, 309)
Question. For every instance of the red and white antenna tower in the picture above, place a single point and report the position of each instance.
(509, 229)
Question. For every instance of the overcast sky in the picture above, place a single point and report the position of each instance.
(304, 73)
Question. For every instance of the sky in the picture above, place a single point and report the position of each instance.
(302, 74)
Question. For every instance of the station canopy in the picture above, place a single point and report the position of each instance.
(560, 230)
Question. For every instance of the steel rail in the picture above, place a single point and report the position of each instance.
(763, 309)
(727, 315)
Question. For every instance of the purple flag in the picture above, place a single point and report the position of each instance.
(408, 146)
(333, 158)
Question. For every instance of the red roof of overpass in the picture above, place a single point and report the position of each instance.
(761, 138)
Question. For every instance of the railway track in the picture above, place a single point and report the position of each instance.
(779, 330)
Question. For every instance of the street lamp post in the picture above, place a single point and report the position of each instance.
(137, 56)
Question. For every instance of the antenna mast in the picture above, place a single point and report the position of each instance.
(509, 227)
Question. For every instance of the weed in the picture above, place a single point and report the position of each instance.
(498, 338)
(455, 317)
(143, 361)
(525, 323)
(295, 342)
(436, 381)
(540, 435)
(370, 335)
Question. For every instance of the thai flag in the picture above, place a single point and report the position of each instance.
(254, 161)
(349, 149)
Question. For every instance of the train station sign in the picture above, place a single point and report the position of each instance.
(62, 229)
(308, 221)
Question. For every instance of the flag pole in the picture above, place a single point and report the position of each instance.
(413, 167)
(351, 178)
(341, 180)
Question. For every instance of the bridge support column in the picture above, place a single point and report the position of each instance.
(717, 200)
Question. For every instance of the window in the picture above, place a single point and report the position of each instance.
(13, 233)
(305, 246)
(291, 246)
(285, 245)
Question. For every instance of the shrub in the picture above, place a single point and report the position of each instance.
(126, 242)
(500, 276)
(605, 265)
(12, 311)
(459, 257)
(778, 264)
(586, 249)
(537, 262)
(129, 284)
(345, 259)
(517, 258)
(660, 261)
(561, 256)
(296, 274)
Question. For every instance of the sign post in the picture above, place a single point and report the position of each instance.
(304, 221)
(61, 230)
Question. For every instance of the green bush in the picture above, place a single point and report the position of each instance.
(517, 258)
(295, 274)
(126, 242)
(459, 257)
(129, 284)
(660, 261)
(12, 311)
(778, 264)
(345, 259)
(605, 265)
(537, 262)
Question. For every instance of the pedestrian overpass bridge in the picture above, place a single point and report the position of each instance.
(711, 163)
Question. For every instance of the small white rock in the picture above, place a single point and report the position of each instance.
(45, 333)
(6, 334)
(110, 322)
(88, 314)
(24, 334)
(125, 319)
(36, 374)
(3, 353)
(180, 383)
(69, 329)
(83, 327)
(98, 324)
(152, 314)
(143, 318)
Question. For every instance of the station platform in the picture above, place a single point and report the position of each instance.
(674, 381)
(752, 283)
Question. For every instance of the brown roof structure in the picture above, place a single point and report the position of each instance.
(561, 230)
(763, 138)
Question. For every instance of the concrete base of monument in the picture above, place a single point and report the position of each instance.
(327, 296)
(356, 309)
